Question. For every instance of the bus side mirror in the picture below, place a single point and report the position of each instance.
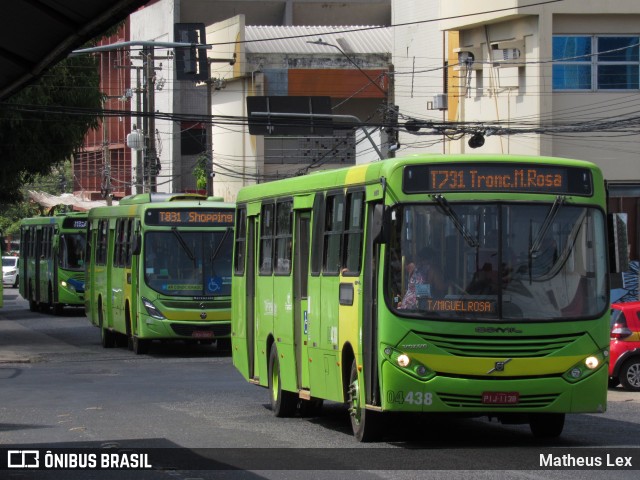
(618, 248)
(618, 242)
(137, 244)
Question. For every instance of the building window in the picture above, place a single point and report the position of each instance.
(596, 62)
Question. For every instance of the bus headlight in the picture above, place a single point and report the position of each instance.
(152, 310)
(586, 367)
(403, 360)
(592, 362)
(407, 363)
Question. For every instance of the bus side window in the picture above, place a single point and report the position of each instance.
(316, 234)
(241, 241)
(353, 233)
(283, 237)
(266, 239)
(334, 227)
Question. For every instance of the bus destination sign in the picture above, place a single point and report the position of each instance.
(484, 177)
(71, 223)
(190, 217)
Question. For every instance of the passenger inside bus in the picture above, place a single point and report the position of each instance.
(425, 279)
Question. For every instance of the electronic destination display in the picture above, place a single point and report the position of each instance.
(494, 177)
(70, 222)
(190, 217)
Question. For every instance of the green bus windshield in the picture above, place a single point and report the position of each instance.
(188, 263)
(72, 248)
(497, 261)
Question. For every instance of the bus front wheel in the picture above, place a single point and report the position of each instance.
(365, 423)
(283, 403)
(546, 425)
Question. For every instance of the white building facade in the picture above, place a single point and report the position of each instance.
(557, 78)
(180, 143)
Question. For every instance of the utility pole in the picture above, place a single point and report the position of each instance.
(106, 157)
(210, 88)
(139, 160)
(150, 159)
(210, 174)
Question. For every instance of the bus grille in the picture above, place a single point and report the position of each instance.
(455, 400)
(197, 304)
(513, 347)
(186, 330)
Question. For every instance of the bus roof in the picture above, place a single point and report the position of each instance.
(155, 197)
(372, 173)
(135, 206)
(57, 218)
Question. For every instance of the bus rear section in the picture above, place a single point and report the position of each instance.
(473, 286)
(167, 264)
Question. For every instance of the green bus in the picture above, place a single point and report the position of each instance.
(458, 284)
(51, 266)
(159, 268)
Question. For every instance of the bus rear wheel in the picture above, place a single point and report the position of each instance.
(283, 403)
(546, 425)
(139, 346)
(107, 337)
(364, 423)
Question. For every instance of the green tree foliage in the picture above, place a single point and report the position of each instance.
(200, 173)
(46, 122)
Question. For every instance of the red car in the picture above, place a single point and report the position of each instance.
(624, 360)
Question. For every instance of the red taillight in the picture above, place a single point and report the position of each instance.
(620, 331)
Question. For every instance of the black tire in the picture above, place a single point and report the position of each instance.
(139, 346)
(629, 375)
(613, 382)
(311, 408)
(107, 337)
(16, 281)
(223, 344)
(283, 403)
(546, 425)
(33, 306)
(58, 309)
(364, 423)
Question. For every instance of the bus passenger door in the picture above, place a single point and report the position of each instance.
(250, 290)
(300, 284)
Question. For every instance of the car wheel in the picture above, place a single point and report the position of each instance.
(630, 375)
(15, 283)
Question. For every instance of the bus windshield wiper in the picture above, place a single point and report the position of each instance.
(214, 254)
(450, 212)
(183, 244)
(534, 245)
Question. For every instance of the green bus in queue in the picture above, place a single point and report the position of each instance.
(159, 268)
(51, 266)
(472, 285)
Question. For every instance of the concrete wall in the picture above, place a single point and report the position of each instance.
(155, 23)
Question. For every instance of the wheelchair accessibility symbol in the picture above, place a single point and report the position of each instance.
(214, 284)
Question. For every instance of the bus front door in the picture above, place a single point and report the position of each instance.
(300, 283)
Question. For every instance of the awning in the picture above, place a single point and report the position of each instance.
(49, 201)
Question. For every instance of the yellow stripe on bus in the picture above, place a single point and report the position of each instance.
(489, 366)
(356, 175)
